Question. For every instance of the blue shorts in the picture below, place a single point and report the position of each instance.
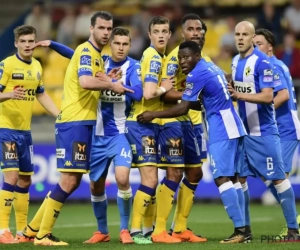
(16, 151)
(288, 150)
(262, 157)
(198, 130)
(106, 149)
(143, 141)
(222, 157)
(73, 147)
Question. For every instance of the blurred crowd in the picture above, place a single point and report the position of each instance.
(69, 24)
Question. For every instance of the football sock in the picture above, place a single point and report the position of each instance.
(287, 201)
(35, 223)
(99, 204)
(247, 202)
(165, 201)
(21, 206)
(52, 210)
(241, 197)
(231, 203)
(124, 201)
(141, 201)
(272, 189)
(149, 214)
(185, 201)
(6, 201)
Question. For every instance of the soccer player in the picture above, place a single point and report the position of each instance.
(108, 135)
(252, 74)
(75, 122)
(206, 80)
(285, 104)
(20, 83)
(186, 155)
(143, 138)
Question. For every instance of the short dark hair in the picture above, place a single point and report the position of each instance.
(158, 20)
(268, 35)
(190, 16)
(24, 30)
(194, 47)
(105, 15)
(120, 31)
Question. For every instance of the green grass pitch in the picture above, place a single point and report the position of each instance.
(76, 224)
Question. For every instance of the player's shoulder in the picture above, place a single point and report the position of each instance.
(85, 48)
(261, 57)
(235, 59)
(205, 57)
(151, 54)
(8, 61)
(173, 56)
(36, 63)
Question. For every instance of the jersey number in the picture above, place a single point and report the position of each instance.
(269, 163)
(126, 154)
(224, 83)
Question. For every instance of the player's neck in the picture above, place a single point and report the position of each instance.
(247, 53)
(93, 42)
(160, 51)
(117, 60)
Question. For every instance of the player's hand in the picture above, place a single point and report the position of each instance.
(119, 88)
(115, 73)
(145, 117)
(228, 77)
(102, 77)
(168, 83)
(45, 43)
(233, 93)
(18, 94)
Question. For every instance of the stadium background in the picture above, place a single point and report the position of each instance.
(68, 22)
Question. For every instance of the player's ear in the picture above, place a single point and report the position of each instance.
(170, 34)
(16, 44)
(149, 34)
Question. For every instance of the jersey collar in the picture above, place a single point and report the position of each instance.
(117, 64)
(98, 50)
(27, 62)
(157, 51)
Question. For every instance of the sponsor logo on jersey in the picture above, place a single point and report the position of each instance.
(172, 69)
(173, 58)
(268, 72)
(86, 60)
(68, 164)
(85, 50)
(9, 150)
(189, 85)
(17, 76)
(61, 153)
(133, 148)
(155, 57)
(175, 147)
(245, 87)
(148, 143)
(79, 152)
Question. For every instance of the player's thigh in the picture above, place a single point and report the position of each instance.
(288, 149)
(100, 161)
(73, 148)
(26, 155)
(142, 139)
(198, 130)
(243, 168)
(265, 156)
(171, 149)
(191, 147)
(222, 157)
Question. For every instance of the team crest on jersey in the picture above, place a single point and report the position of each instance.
(29, 73)
(248, 71)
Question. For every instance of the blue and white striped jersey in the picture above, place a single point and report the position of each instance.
(113, 108)
(250, 75)
(222, 121)
(287, 115)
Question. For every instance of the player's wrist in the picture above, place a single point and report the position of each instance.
(163, 89)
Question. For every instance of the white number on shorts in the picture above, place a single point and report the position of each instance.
(212, 162)
(126, 130)
(269, 163)
(224, 83)
(126, 154)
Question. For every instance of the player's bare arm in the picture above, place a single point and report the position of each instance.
(151, 91)
(264, 97)
(16, 94)
(281, 97)
(175, 111)
(172, 95)
(47, 103)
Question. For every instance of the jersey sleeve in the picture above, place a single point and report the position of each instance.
(84, 60)
(279, 81)
(170, 67)
(265, 74)
(153, 68)
(193, 88)
(5, 70)
(40, 88)
(135, 78)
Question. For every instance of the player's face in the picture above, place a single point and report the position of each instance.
(243, 38)
(101, 31)
(191, 31)
(24, 45)
(187, 60)
(159, 35)
(120, 46)
(262, 44)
